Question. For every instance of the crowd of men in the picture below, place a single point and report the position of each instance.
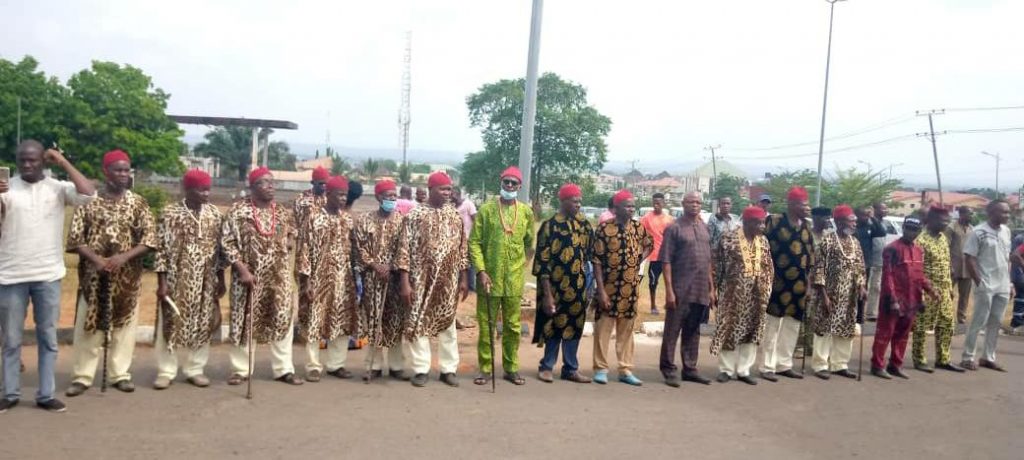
(395, 275)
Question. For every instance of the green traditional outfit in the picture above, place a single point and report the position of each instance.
(937, 315)
(497, 246)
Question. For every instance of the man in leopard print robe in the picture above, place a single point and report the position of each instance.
(381, 315)
(257, 241)
(192, 277)
(745, 257)
(110, 236)
(304, 205)
(324, 266)
(431, 260)
(839, 283)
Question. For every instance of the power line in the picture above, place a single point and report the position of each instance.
(873, 127)
(985, 109)
(844, 149)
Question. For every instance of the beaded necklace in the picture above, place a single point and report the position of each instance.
(256, 220)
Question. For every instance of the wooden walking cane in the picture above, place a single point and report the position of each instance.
(248, 340)
(491, 333)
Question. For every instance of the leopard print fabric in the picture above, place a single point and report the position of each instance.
(432, 250)
(381, 314)
(189, 257)
(839, 267)
(269, 259)
(110, 227)
(743, 300)
(325, 258)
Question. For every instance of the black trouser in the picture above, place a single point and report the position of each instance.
(682, 321)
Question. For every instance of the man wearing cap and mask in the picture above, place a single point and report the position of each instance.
(431, 264)
(939, 313)
(821, 220)
(903, 286)
(619, 247)
(257, 239)
(324, 266)
(792, 243)
(381, 315)
(765, 203)
(191, 278)
(499, 246)
(110, 236)
(840, 282)
(746, 262)
(314, 198)
(564, 244)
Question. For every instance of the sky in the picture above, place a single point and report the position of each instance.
(673, 76)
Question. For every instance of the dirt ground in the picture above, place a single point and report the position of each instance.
(943, 415)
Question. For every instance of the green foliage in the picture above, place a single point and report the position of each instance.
(404, 173)
(420, 168)
(156, 196)
(280, 156)
(569, 135)
(232, 145)
(102, 108)
(728, 185)
(987, 192)
(389, 164)
(852, 186)
(370, 168)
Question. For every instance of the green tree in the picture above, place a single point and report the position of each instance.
(370, 168)
(779, 184)
(389, 164)
(42, 101)
(232, 145)
(404, 173)
(420, 168)
(569, 135)
(730, 186)
(858, 187)
(280, 156)
(114, 107)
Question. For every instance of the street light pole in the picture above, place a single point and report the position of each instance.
(530, 102)
(996, 156)
(824, 103)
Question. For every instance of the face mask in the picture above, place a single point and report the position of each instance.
(507, 195)
(388, 205)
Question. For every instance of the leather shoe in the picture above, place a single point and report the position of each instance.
(577, 377)
(950, 367)
(924, 368)
(449, 379)
(824, 375)
(672, 381)
(419, 380)
(769, 376)
(545, 376)
(200, 381)
(969, 365)
(341, 373)
(696, 378)
(991, 365)
(398, 375)
(747, 379)
(125, 386)
(790, 373)
(845, 373)
(880, 373)
(897, 372)
(291, 379)
(723, 378)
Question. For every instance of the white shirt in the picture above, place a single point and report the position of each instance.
(991, 248)
(32, 231)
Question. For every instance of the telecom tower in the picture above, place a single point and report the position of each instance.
(403, 111)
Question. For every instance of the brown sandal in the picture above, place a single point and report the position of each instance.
(515, 378)
(291, 379)
(237, 379)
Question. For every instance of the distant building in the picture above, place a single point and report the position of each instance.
(668, 186)
(209, 165)
(905, 203)
(607, 183)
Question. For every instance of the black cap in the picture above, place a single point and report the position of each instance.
(821, 211)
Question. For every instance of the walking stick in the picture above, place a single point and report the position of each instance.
(860, 360)
(248, 340)
(106, 322)
(491, 333)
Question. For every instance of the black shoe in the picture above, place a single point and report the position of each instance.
(898, 373)
(747, 379)
(75, 389)
(419, 380)
(450, 379)
(6, 404)
(125, 386)
(769, 376)
(951, 367)
(790, 373)
(845, 373)
(924, 368)
(398, 375)
(824, 375)
(672, 381)
(880, 373)
(696, 378)
(341, 373)
(53, 405)
(723, 378)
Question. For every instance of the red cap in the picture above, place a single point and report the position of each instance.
(754, 212)
(321, 174)
(114, 156)
(842, 212)
(621, 196)
(797, 193)
(512, 171)
(438, 179)
(569, 191)
(196, 178)
(383, 187)
(337, 183)
(257, 173)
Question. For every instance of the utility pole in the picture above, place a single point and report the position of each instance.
(530, 101)
(404, 114)
(996, 156)
(824, 102)
(935, 152)
(714, 167)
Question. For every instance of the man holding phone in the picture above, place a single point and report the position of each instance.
(32, 262)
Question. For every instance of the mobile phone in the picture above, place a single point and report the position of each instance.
(5, 173)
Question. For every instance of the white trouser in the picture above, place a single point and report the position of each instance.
(988, 315)
(738, 361)
(874, 292)
(831, 353)
(337, 354)
(395, 357)
(447, 348)
(780, 336)
(167, 361)
(88, 350)
(280, 357)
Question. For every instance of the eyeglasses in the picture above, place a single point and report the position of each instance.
(512, 183)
